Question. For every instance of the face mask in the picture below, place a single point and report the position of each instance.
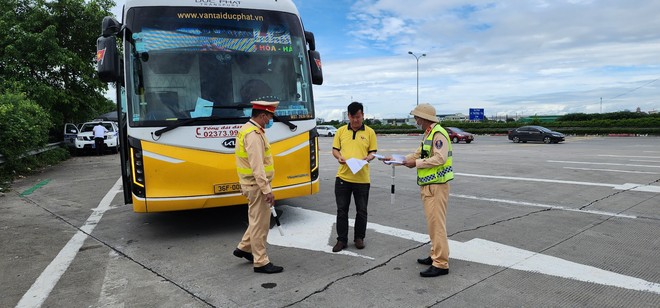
(419, 126)
(269, 124)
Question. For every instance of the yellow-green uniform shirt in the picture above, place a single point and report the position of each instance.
(354, 144)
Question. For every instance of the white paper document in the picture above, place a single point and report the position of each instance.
(396, 160)
(355, 164)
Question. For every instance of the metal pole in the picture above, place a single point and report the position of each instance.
(417, 59)
(392, 195)
(417, 80)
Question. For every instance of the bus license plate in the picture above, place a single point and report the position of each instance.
(227, 188)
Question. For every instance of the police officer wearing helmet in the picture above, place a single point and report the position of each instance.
(254, 164)
(433, 160)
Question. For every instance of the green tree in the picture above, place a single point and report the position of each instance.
(23, 126)
(47, 51)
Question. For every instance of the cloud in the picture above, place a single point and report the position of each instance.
(545, 57)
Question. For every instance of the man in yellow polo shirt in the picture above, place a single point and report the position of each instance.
(354, 140)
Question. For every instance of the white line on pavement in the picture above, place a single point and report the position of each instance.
(42, 287)
(646, 161)
(608, 164)
(612, 170)
(625, 186)
(536, 180)
(627, 156)
(556, 207)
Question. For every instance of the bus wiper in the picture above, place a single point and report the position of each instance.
(292, 127)
(237, 107)
(182, 123)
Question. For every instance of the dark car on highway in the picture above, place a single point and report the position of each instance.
(456, 135)
(535, 133)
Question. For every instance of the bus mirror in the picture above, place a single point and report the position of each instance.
(110, 26)
(107, 59)
(309, 37)
(315, 65)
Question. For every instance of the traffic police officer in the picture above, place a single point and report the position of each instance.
(433, 160)
(254, 164)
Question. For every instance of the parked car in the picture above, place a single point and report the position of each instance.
(70, 134)
(326, 130)
(85, 138)
(535, 133)
(457, 135)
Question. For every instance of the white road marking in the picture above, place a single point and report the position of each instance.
(300, 233)
(534, 179)
(309, 226)
(114, 285)
(627, 156)
(646, 161)
(608, 164)
(556, 207)
(626, 186)
(612, 170)
(42, 287)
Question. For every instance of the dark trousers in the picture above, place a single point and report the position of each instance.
(98, 144)
(343, 192)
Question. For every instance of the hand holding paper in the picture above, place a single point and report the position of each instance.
(396, 159)
(355, 164)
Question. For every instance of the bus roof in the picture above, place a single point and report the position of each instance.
(272, 5)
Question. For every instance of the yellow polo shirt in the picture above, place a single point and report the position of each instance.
(355, 144)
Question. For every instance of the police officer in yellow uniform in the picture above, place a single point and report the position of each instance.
(254, 164)
(433, 160)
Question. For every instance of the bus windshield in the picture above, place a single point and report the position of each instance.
(184, 63)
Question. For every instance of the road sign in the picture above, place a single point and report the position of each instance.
(476, 114)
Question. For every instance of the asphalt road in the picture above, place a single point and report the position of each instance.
(530, 225)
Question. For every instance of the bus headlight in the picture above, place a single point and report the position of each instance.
(313, 157)
(138, 172)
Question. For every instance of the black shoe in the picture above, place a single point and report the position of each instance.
(339, 246)
(268, 269)
(243, 254)
(359, 243)
(433, 271)
(425, 261)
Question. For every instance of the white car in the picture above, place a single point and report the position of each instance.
(326, 130)
(85, 137)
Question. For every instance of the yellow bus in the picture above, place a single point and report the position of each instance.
(185, 75)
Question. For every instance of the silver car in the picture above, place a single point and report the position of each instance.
(326, 130)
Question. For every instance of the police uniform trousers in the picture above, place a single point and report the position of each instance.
(254, 239)
(435, 197)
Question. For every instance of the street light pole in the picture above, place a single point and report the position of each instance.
(417, 58)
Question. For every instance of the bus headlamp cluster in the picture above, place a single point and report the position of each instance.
(313, 156)
(138, 172)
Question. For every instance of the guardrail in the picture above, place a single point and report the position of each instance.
(48, 147)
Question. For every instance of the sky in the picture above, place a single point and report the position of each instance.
(511, 58)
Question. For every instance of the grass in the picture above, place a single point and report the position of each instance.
(9, 171)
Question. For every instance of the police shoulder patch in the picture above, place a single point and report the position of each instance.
(438, 144)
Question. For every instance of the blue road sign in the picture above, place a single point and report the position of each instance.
(476, 114)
